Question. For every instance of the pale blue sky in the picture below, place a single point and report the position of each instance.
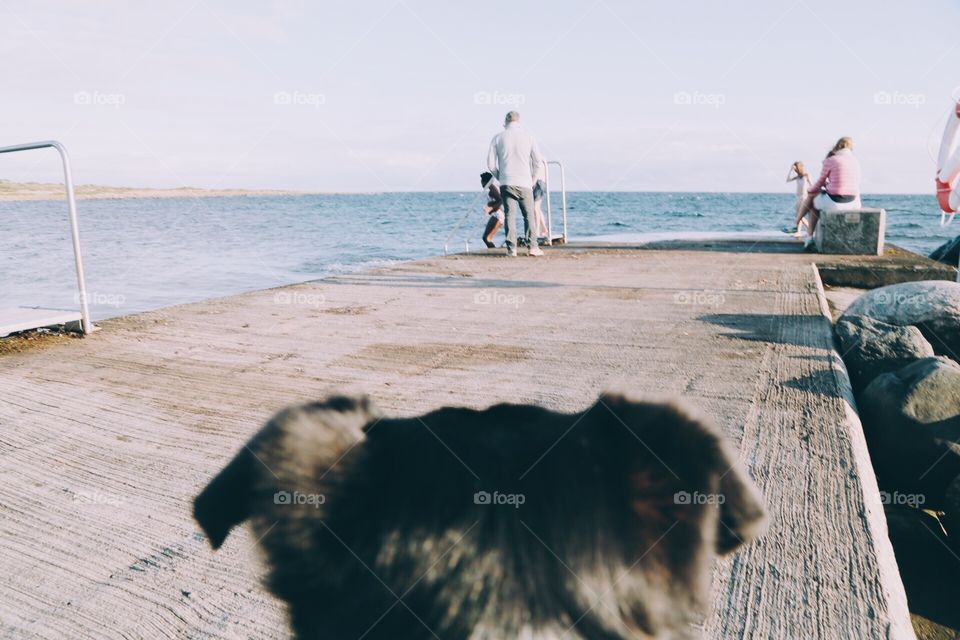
(406, 94)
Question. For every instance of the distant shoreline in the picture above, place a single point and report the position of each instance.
(28, 191)
(36, 191)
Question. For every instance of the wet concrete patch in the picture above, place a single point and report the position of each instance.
(423, 357)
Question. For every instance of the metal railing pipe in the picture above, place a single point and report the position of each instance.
(85, 322)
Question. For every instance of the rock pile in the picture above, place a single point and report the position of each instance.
(900, 344)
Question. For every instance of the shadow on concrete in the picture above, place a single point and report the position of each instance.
(436, 282)
(804, 331)
(727, 246)
(816, 358)
(821, 382)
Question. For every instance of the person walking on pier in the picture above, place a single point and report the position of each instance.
(514, 160)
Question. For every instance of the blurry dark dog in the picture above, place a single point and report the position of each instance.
(513, 522)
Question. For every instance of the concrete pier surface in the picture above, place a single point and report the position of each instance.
(106, 440)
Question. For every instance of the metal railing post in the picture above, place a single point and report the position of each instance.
(85, 322)
(563, 198)
(546, 197)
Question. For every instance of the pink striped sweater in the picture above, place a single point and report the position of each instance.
(840, 175)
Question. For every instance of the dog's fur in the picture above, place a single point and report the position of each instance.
(599, 549)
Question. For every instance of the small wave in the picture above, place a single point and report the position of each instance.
(907, 225)
(340, 267)
(915, 236)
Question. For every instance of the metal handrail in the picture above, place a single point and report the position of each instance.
(86, 324)
(456, 227)
(563, 198)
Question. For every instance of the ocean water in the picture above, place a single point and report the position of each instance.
(143, 254)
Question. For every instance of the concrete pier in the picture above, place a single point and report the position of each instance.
(106, 440)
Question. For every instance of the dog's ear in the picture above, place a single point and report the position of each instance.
(742, 516)
(225, 502)
(295, 445)
(687, 450)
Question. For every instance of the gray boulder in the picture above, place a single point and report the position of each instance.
(933, 306)
(928, 567)
(948, 252)
(911, 419)
(870, 347)
(951, 507)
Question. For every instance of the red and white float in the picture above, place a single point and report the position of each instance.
(948, 168)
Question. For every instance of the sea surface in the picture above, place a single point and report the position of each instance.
(142, 254)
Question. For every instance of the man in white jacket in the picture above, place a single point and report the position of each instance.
(515, 160)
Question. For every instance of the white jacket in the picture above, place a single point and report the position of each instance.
(514, 157)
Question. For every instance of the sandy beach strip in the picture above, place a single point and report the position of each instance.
(26, 191)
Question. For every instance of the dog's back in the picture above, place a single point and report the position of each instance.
(505, 523)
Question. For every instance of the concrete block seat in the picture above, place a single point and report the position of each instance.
(858, 232)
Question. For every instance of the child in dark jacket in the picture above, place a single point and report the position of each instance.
(493, 208)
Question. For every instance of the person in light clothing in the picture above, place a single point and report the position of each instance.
(798, 173)
(539, 190)
(838, 188)
(514, 160)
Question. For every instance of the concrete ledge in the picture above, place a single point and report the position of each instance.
(26, 318)
(896, 265)
(859, 232)
(875, 518)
